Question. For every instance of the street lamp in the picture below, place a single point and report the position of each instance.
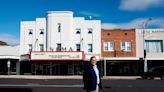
(144, 26)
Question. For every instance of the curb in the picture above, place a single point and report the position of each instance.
(66, 77)
(39, 77)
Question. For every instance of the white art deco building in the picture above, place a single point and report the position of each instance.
(58, 44)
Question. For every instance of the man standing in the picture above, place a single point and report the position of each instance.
(91, 76)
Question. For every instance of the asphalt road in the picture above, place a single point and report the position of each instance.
(20, 85)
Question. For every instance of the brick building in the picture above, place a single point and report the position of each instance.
(118, 48)
(117, 38)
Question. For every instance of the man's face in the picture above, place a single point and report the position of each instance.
(94, 61)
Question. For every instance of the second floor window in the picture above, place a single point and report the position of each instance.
(41, 47)
(78, 30)
(41, 31)
(90, 30)
(58, 47)
(30, 32)
(77, 47)
(30, 47)
(154, 46)
(59, 27)
(90, 48)
(126, 46)
(109, 46)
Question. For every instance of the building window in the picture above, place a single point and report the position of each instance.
(126, 46)
(30, 47)
(78, 31)
(41, 31)
(90, 30)
(154, 46)
(30, 32)
(58, 47)
(41, 47)
(109, 46)
(77, 47)
(59, 27)
(90, 48)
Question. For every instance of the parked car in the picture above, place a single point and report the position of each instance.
(154, 72)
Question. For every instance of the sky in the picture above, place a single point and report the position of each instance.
(113, 14)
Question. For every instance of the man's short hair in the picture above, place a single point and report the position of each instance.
(92, 58)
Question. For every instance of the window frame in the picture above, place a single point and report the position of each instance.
(60, 47)
(59, 27)
(41, 49)
(90, 48)
(161, 42)
(90, 30)
(109, 47)
(41, 31)
(30, 47)
(79, 47)
(125, 47)
(78, 30)
(30, 31)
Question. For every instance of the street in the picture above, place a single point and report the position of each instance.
(75, 85)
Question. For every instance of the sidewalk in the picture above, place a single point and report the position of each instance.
(67, 77)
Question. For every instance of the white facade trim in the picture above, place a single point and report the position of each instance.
(120, 58)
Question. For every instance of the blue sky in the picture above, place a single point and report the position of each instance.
(112, 13)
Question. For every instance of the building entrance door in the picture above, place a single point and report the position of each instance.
(46, 69)
(55, 69)
(71, 69)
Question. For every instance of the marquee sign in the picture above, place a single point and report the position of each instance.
(57, 56)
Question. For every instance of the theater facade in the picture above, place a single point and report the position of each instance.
(59, 44)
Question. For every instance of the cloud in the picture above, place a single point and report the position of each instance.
(136, 23)
(139, 5)
(9, 39)
(88, 13)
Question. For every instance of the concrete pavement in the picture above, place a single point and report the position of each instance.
(67, 77)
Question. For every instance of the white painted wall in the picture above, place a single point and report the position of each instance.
(7, 52)
(150, 34)
(26, 39)
(67, 37)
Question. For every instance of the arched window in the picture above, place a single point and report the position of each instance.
(90, 30)
(41, 31)
(30, 32)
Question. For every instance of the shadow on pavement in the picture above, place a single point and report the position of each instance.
(107, 87)
(15, 90)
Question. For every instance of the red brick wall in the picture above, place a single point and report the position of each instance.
(118, 35)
